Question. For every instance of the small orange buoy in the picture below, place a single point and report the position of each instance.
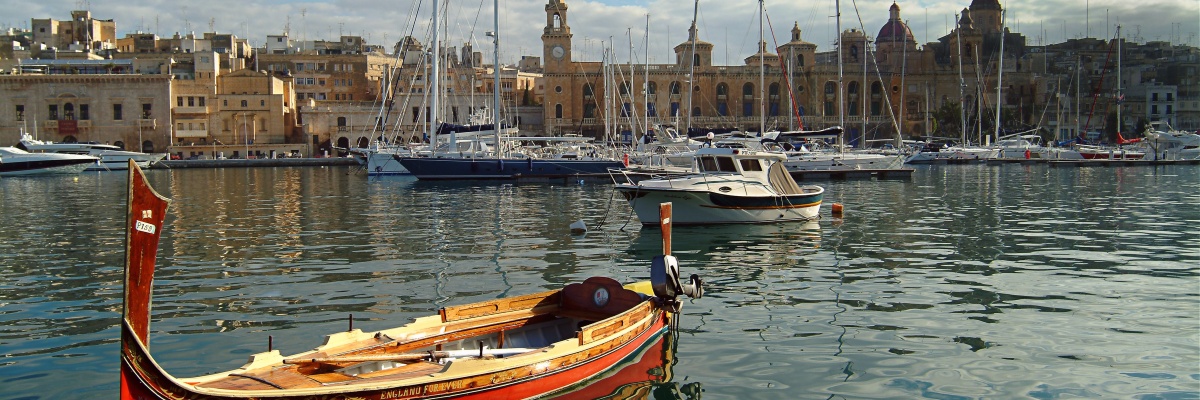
(836, 209)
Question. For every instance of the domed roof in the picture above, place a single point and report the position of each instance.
(895, 30)
(985, 4)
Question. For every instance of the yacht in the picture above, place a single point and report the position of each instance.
(16, 162)
(108, 157)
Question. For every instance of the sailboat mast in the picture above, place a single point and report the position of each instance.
(762, 72)
(1000, 74)
(434, 81)
(496, 79)
(863, 90)
(691, 70)
(841, 100)
(1120, 97)
(903, 89)
(646, 80)
(962, 85)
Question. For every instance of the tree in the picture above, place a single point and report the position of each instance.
(1111, 127)
(948, 118)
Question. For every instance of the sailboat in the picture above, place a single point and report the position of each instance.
(525, 346)
(497, 164)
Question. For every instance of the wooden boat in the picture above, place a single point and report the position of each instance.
(517, 347)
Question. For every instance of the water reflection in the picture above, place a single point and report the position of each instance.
(646, 374)
(968, 281)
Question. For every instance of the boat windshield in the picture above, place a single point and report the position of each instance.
(717, 164)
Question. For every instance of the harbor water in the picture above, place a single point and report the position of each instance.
(967, 282)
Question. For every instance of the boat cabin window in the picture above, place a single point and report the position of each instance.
(717, 164)
(751, 165)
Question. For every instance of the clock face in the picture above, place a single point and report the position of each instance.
(557, 52)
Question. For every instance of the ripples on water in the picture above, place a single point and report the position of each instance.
(967, 282)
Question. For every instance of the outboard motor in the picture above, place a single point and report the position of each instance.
(664, 278)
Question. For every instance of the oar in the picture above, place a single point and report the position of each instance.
(431, 355)
(382, 357)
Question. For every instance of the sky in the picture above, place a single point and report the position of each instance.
(731, 25)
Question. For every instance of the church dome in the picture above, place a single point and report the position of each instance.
(895, 30)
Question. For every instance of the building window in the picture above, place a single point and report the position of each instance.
(83, 112)
(191, 101)
(117, 112)
(20, 112)
(225, 103)
(200, 100)
(245, 103)
(53, 111)
(179, 101)
(146, 111)
(696, 112)
(262, 103)
(558, 112)
(69, 111)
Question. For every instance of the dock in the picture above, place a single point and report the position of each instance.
(253, 163)
(883, 174)
(1096, 162)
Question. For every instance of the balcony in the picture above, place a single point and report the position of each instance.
(191, 110)
(195, 133)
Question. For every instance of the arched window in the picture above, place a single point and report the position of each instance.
(830, 88)
(695, 59)
(722, 89)
(625, 89)
(652, 88)
(799, 60)
(852, 88)
(696, 112)
(674, 88)
(558, 113)
(148, 147)
(557, 21)
(587, 90)
(773, 105)
(748, 90)
(876, 89)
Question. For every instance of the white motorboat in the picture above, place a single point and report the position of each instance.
(108, 157)
(725, 186)
(16, 162)
(1165, 143)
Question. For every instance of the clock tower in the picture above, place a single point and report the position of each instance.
(556, 38)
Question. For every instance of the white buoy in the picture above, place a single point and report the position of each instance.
(578, 227)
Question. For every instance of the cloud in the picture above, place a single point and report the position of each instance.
(731, 25)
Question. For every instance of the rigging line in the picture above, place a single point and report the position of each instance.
(871, 56)
(786, 75)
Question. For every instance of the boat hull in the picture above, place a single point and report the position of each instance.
(494, 168)
(142, 378)
(704, 207)
(44, 167)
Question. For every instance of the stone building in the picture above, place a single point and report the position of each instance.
(888, 84)
(81, 32)
(126, 110)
